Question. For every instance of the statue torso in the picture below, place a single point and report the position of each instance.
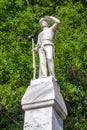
(46, 36)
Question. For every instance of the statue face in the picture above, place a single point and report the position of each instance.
(44, 24)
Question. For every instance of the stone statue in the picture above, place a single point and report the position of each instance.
(45, 46)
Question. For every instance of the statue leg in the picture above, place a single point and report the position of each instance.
(42, 65)
(49, 55)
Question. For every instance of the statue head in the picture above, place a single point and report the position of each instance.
(44, 22)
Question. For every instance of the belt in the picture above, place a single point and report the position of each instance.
(48, 44)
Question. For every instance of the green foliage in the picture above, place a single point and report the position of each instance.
(71, 65)
(18, 19)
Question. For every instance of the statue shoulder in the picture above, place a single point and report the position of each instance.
(40, 34)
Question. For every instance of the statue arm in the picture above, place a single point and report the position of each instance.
(56, 22)
(55, 25)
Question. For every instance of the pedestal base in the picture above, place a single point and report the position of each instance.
(42, 119)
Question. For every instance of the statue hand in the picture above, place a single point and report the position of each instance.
(35, 49)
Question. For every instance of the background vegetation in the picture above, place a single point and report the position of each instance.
(18, 19)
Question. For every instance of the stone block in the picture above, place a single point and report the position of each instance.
(43, 105)
(42, 119)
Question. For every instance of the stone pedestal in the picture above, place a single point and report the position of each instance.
(43, 105)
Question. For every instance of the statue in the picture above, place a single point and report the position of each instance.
(45, 46)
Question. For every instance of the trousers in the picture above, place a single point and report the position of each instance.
(46, 56)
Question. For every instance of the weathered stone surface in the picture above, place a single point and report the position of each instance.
(42, 119)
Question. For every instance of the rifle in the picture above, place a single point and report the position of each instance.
(33, 55)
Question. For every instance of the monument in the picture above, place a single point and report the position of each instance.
(43, 102)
